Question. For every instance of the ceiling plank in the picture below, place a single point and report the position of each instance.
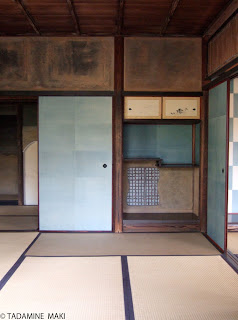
(172, 9)
(74, 16)
(222, 17)
(120, 20)
(28, 15)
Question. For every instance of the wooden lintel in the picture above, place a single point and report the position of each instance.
(222, 17)
(28, 15)
(74, 16)
(120, 19)
(172, 9)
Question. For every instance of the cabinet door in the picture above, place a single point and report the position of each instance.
(216, 202)
(75, 163)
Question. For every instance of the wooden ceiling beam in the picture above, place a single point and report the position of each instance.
(26, 13)
(222, 17)
(172, 9)
(120, 19)
(74, 16)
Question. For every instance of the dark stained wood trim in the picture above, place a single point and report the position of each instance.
(204, 61)
(117, 134)
(162, 121)
(57, 93)
(20, 154)
(225, 76)
(203, 162)
(172, 9)
(227, 162)
(223, 69)
(213, 242)
(161, 94)
(16, 99)
(193, 143)
(130, 226)
(221, 19)
(120, 19)
(74, 16)
(29, 17)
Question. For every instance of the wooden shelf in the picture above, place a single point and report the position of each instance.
(162, 121)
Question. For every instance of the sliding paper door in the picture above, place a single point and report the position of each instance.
(217, 137)
(75, 163)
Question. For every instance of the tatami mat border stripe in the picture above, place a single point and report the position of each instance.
(129, 310)
(16, 265)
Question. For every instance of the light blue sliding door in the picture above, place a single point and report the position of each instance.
(217, 164)
(75, 163)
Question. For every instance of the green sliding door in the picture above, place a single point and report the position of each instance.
(75, 163)
(217, 139)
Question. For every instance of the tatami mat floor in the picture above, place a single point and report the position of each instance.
(12, 245)
(110, 244)
(162, 287)
(232, 242)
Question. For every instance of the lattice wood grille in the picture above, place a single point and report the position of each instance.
(143, 187)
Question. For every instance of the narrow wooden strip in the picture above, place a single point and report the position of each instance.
(28, 15)
(74, 16)
(172, 9)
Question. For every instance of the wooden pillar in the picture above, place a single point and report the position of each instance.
(117, 134)
(20, 154)
(204, 141)
(203, 162)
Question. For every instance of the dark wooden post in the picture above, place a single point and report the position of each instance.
(204, 141)
(117, 134)
(203, 162)
(20, 153)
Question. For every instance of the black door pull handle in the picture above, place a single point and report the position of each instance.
(104, 166)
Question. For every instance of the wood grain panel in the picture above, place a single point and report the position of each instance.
(162, 64)
(57, 64)
(223, 48)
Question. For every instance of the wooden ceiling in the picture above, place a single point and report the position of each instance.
(108, 17)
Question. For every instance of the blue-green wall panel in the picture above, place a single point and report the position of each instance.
(172, 143)
(217, 164)
(197, 143)
(75, 140)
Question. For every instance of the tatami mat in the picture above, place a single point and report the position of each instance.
(12, 245)
(109, 244)
(81, 287)
(183, 288)
(232, 242)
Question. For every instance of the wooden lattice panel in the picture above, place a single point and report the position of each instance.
(143, 187)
